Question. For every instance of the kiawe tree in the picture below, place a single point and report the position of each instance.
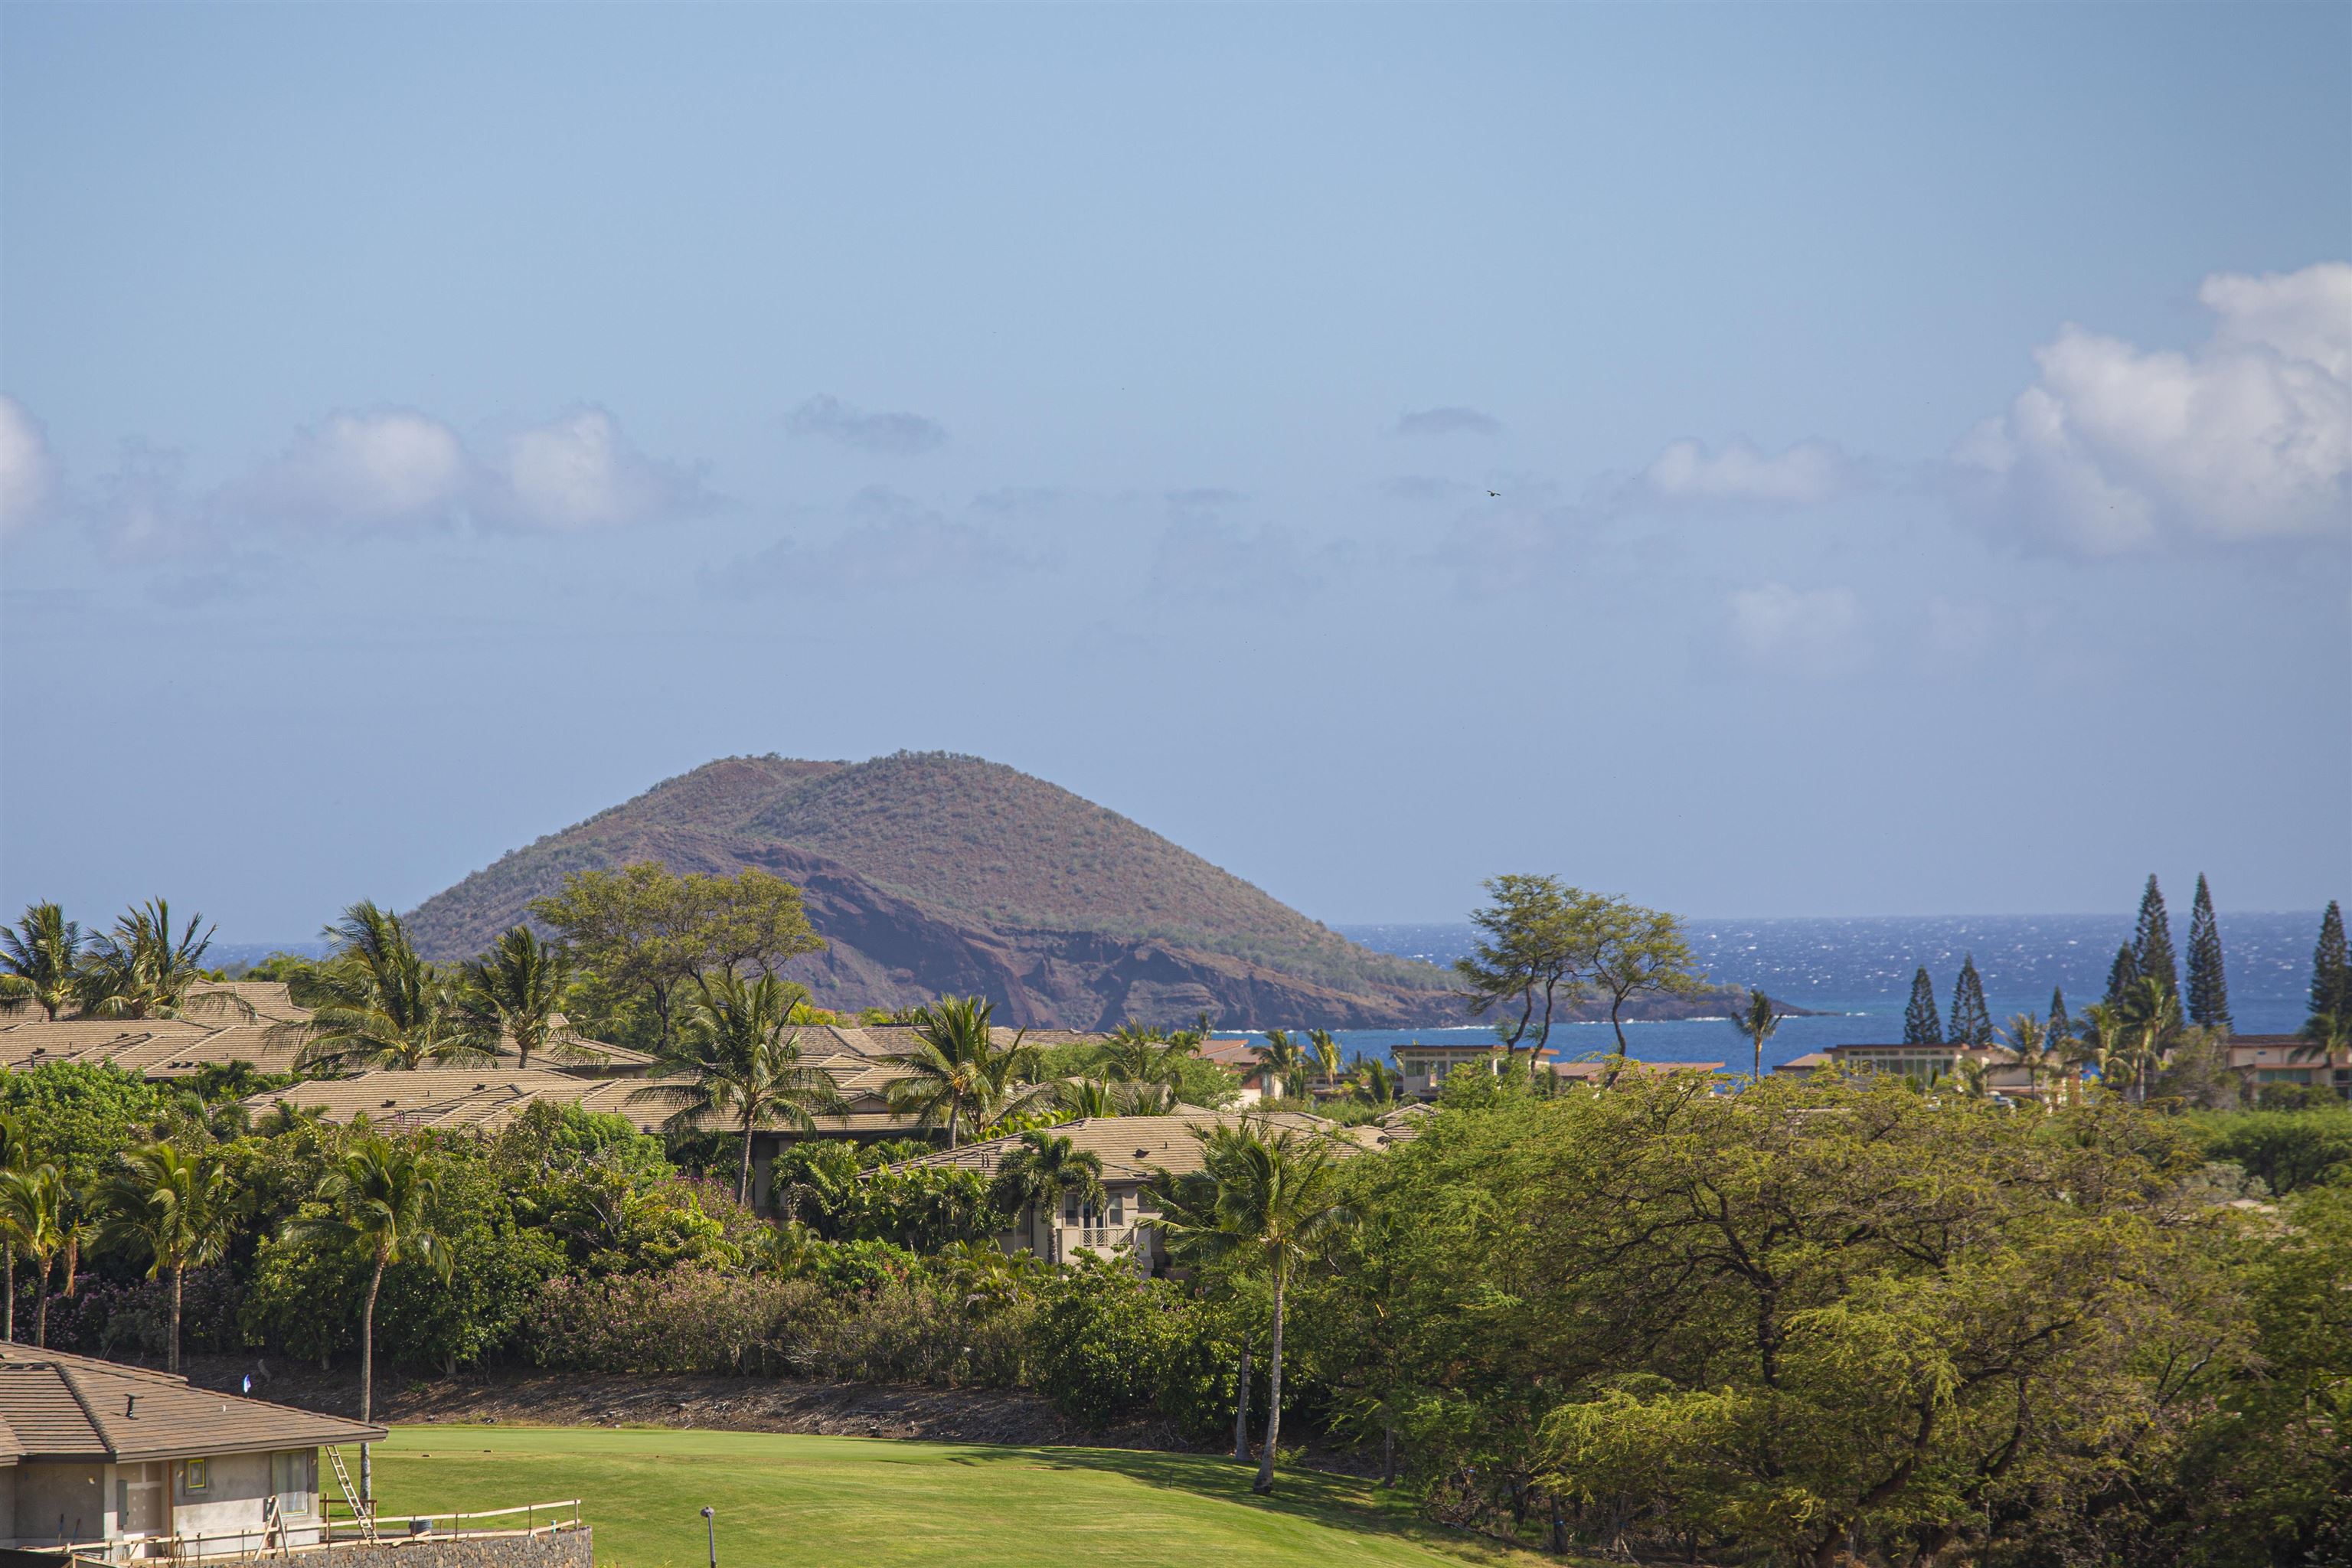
(1637, 951)
(2152, 952)
(2331, 977)
(1922, 1025)
(1536, 947)
(2209, 988)
(1971, 1021)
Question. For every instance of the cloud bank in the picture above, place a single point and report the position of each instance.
(1813, 631)
(29, 470)
(2248, 437)
(398, 471)
(1805, 474)
(893, 435)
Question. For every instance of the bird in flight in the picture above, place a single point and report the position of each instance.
(1494, 492)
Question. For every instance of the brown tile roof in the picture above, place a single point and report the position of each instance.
(1131, 1147)
(888, 1039)
(69, 1406)
(1582, 1071)
(485, 1098)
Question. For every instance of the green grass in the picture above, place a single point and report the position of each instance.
(847, 1502)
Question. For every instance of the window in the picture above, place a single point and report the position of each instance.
(1070, 1208)
(1118, 1208)
(198, 1477)
(294, 1476)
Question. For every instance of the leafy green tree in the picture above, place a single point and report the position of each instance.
(1041, 1171)
(16, 1158)
(2060, 1031)
(2331, 973)
(41, 962)
(1971, 1020)
(2152, 952)
(2038, 1054)
(515, 990)
(648, 931)
(384, 1007)
(1638, 952)
(2123, 977)
(1538, 940)
(1376, 1080)
(1922, 1025)
(956, 1075)
(1087, 1097)
(1756, 1022)
(1287, 1062)
(1277, 1195)
(381, 1203)
(172, 1208)
(2209, 986)
(738, 1056)
(1151, 1065)
(2286, 1150)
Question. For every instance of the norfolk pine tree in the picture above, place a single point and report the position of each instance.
(2152, 940)
(2331, 975)
(2123, 977)
(1971, 1021)
(2062, 1027)
(2208, 989)
(1922, 1025)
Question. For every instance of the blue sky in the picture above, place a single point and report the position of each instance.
(1922, 437)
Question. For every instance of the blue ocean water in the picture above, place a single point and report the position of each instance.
(1856, 974)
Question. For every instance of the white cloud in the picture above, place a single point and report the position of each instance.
(1806, 473)
(29, 470)
(580, 473)
(2249, 437)
(361, 470)
(893, 543)
(1815, 631)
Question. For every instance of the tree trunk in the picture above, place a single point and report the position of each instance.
(1264, 1482)
(1388, 1453)
(743, 1171)
(1559, 1529)
(9, 1269)
(1241, 1406)
(41, 1308)
(367, 1379)
(179, 1277)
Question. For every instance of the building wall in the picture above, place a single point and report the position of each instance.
(234, 1499)
(8, 1502)
(78, 1492)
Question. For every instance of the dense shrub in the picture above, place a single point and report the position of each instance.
(1105, 1340)
(686, 1320)
(130, 1320)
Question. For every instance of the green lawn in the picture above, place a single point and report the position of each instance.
(846, 1503)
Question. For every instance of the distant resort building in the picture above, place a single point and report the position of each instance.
(2291, 1061)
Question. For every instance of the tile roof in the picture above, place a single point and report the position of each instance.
(57, 1406)
(485, 1098)
(1131, 1147)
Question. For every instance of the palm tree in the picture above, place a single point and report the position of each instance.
(1085, 1097)
(1757, 1022)
(1376, 1080)
(2029, 1037)
(33, 1206)
(515, 990)
(1043, 1170)
(40, 961)
(16, 1155)
(1151, 1064)
(382, 1202)
(140, 969)
(173, 1207)
(1276, 1195)
(386, 1006)
(2155, 1015)
(736, 1055)
(1286, 1061)
(956, 1074)
(1323, 1050)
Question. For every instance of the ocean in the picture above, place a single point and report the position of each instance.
(1856, 975)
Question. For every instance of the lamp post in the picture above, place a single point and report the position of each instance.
(710, 1530)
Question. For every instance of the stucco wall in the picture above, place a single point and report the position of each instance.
(45, 1490)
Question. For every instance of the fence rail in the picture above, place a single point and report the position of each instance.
(277, 1540)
